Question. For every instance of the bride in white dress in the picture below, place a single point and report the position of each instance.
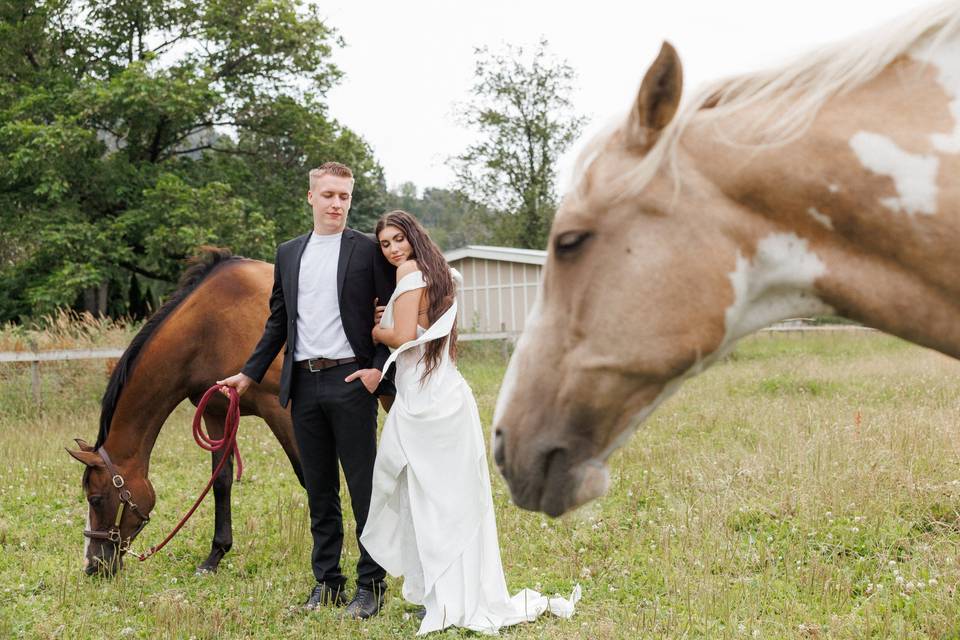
(431, 516)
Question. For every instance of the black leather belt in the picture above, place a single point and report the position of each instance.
(319, 364)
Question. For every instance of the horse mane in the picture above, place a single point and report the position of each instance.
(199, 268)
(790, 95)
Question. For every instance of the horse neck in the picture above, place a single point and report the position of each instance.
(150, 394)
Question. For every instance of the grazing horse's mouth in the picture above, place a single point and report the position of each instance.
(105, 565)
(103, 568)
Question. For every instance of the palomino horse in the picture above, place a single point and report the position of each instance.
(202, 333)
(829, 186)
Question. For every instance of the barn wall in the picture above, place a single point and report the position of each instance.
(496, 295)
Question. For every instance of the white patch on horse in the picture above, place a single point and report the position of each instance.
(946, 58)
(914, 175)
(775, 285)
(86, 543)
(822, 218)
(778, 283)
(833, 188)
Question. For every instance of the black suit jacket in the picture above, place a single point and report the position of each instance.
(363, 274)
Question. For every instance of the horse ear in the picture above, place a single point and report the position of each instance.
(83, 445)
(657, 101)
(88, 458)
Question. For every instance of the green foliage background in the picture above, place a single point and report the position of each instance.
(132, 132)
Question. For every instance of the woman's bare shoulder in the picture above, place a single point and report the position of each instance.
(407, 268)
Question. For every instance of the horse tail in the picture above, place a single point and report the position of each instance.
(199, 267)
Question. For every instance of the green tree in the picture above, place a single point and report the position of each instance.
(523, 117)
(132, 131)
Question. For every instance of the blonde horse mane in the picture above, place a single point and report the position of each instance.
(790, 96)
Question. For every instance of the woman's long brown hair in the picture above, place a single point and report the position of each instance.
(441, 291)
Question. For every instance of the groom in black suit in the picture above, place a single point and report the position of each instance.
(325, 287)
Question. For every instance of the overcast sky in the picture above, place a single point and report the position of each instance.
(408, 63)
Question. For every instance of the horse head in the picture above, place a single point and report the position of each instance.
(120, 498)
(640, 291)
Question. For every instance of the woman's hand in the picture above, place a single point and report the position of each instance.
(373, 334)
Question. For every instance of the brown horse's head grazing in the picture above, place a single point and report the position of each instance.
(116, 513)
(828, 186)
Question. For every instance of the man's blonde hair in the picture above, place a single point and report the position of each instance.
(333, 169)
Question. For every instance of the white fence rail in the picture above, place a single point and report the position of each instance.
(67, 354)
(36, 357)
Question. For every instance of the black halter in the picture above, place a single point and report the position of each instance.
(112, 534)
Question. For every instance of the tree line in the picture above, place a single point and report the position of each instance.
(134, 131)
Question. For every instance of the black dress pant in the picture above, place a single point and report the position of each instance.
(332, 420)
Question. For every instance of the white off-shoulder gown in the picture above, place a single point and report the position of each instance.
(431, 516)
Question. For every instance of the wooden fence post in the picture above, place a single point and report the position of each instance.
(35, 376)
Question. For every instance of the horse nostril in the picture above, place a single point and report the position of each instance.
(498, 454)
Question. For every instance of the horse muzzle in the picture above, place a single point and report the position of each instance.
(551, 480)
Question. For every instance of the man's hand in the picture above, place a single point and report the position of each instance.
(241, 382)
(377, 311)
(369, 377)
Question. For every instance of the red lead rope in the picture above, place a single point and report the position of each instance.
(228, 443)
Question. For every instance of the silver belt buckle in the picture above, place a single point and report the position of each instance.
(310, 365)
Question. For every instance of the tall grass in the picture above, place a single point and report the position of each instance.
(804, 488)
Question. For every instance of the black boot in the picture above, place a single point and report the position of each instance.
(367, 602)
(323, 595)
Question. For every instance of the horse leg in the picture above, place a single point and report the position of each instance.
(222, 485)
(280, 423)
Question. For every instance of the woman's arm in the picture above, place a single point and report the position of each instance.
(405, 311)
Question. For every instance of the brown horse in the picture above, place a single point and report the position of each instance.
(831, 185)
(202, 334)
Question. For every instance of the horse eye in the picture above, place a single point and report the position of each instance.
(95, 501)
(569, 242)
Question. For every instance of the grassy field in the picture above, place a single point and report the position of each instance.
(806, 487)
